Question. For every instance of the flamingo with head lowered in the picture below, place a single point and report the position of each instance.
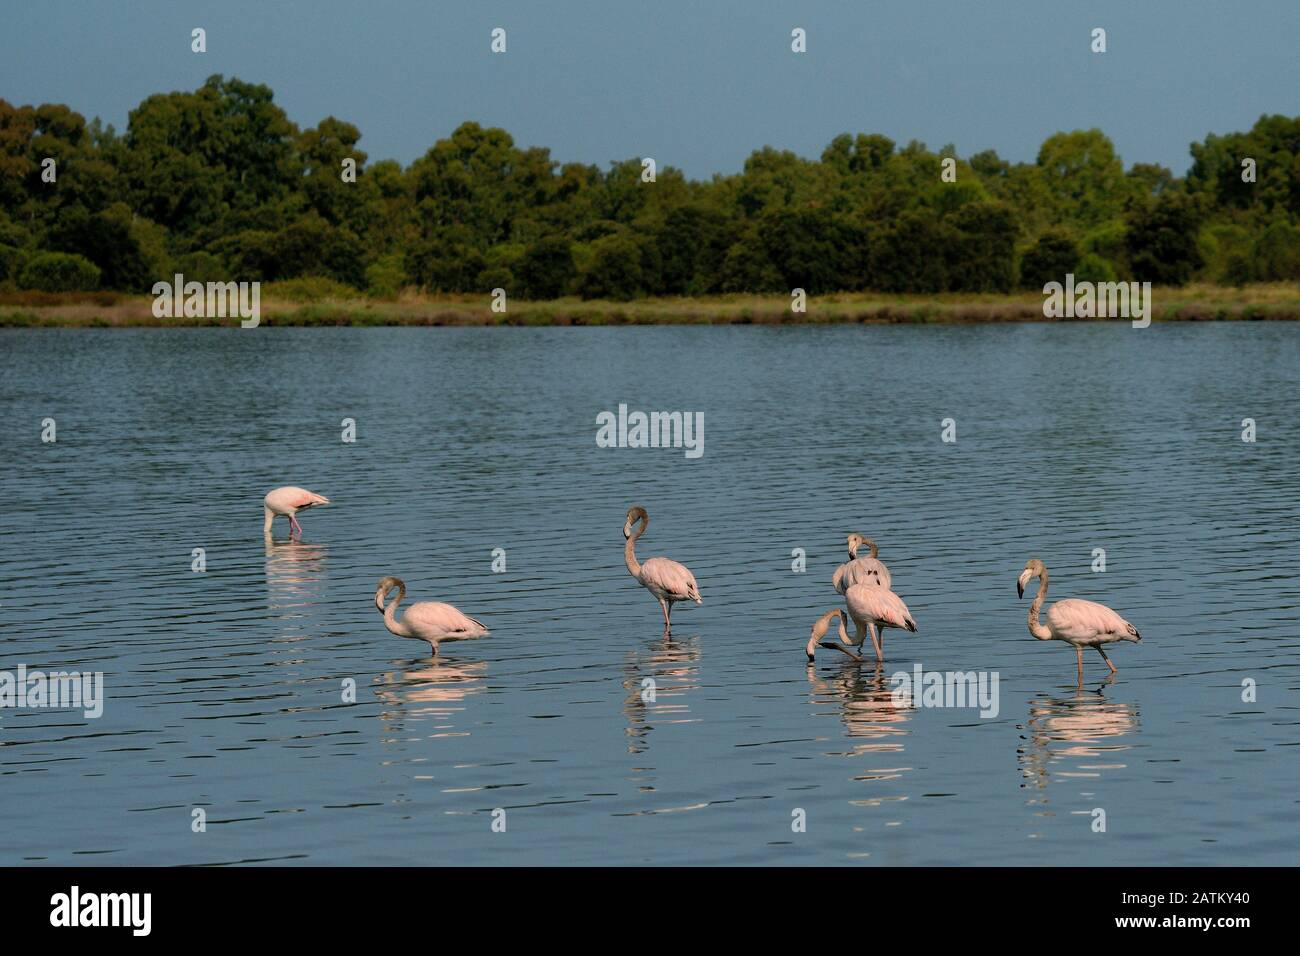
(429, 621)
(819, 629)
(1076, 622)
(287, 502)
(668, 580)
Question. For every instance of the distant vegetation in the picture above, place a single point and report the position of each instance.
(218, 184)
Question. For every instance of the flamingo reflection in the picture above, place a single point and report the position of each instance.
(435, 693)
(658, 684)
(294, 573)
(1074, 739)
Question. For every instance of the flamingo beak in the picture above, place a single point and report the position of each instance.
(1021, 581)
(1020, 589)
(627, 530)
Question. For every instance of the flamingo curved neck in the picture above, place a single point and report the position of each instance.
(391, 622)
(629, 550)
(270, 516)
(1039, 631)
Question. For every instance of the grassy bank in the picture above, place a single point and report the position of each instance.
(110, 310)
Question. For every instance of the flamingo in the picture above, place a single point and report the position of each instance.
(666, 579)
(861, 570)
(1077, 622)
(288, 501)
(819, 630)
(870, 604)
(426, 620)
(857, 570)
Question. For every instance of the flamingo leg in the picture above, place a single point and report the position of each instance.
(668, 610)
(1113, 668)
(878, 642)
(1079, 652)
(859, 634)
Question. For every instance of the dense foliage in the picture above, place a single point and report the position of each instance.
(219, 184)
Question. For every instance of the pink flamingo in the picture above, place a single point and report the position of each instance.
(870, 604)
(866, 570)
(429, 621)
(1077, 622)
(288, 501)
(666, 579)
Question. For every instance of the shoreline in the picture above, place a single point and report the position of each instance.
(1193, 303)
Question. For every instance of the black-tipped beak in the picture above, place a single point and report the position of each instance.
(1020, 590)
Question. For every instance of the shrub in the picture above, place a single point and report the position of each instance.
(546, 269)
(59, 272)
(386, 277)
(308, 289)
(1049, 259)
(1093, 268)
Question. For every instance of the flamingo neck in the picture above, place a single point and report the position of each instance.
(629, 550)
(391, 622)
(872, 545)
(270, 516)
(1039, 631)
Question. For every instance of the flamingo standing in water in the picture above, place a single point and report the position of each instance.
(1077, 622)
(870, 605)
(865, 570)
(819, 629)
(425, 620)
(668, 580)
(861, 570)
(287, 502)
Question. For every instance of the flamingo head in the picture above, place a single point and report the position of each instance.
(634, 514)
(855, 541)
(819, 629)
(1033, 568)
(386, 585)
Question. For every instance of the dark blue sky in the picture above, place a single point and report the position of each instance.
(697, 85)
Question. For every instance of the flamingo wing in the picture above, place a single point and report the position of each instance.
(861, 571)
(670, 579)
(1085, 621)
(291, 498)
(442, 621)
(868, 602)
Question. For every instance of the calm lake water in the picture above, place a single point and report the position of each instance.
(224, 688)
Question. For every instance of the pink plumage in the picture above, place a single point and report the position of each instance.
(861, 571)
(670, 580)
(870, 604)
(1086, 622)
(287, 502)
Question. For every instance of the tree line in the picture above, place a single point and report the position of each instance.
(220, 185)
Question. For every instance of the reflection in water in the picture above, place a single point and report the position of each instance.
(877, 723)
(434, 692)
(673, 666)
(294, 575)
(1072, 738)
